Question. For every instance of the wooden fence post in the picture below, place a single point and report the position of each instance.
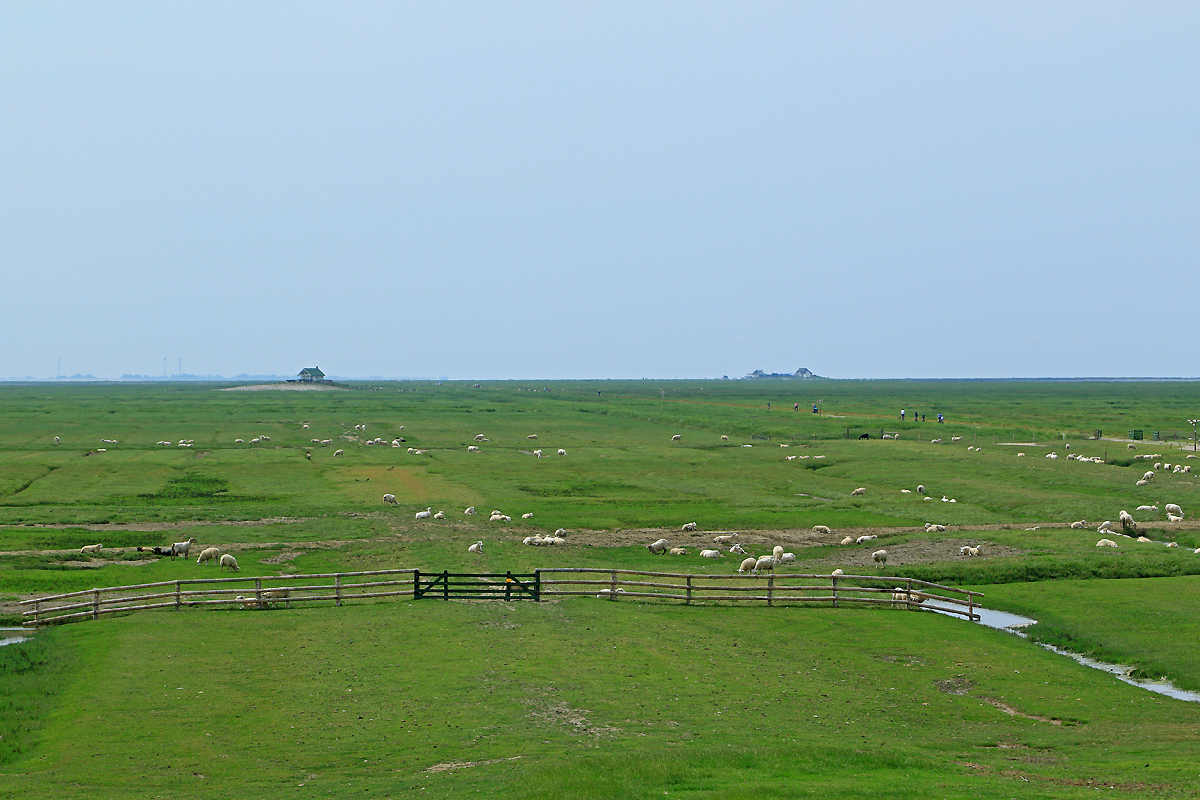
(835, 592)
(416, 584)
(971, 607)
(612, 587)
(446, 585)
(37, 613)
(770, 586)
(537, 586)
(508, 586)
(258, 592)
(689, 591)
(337, 590)
(178, 595)
(95, 604)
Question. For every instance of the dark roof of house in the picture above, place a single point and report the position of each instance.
(313, 371)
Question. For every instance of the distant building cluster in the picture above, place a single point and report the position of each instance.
(800, 373)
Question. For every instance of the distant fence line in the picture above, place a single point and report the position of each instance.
(611, 584)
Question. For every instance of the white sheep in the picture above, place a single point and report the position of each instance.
(920, 489)
(725, 538)
(534, 540)
(678, 551)
(821, 529)
(476, 548)
(659, 547)
(747, 564)
(246, 602)
(1131, 447)
(837, 573)
(1079, 525)
(676, 437)
(560, 532)
(531, 436)
(537, 453)
(955, 438)
(1149, 475)
(1142, 482)
(391, 499)
(527, 515)
(440, 515)
(562, 452)
(426, 514)
(473, 449)
(860, 490)
(848, 540)
(1127, 521)
(737, 550)
(554, 540)
(1051, 455)
(690, 526)
(1146, 508)
(764, 564)
(973, 551)
(1172, 508)
(181, 548)
(208, 554)
(338, 452)
(470, 512)
(229, 561)
(880, 556)
(1173, 518)
(1104, 526)
(777, 552)
(933, 527)
(1172, 544)
(787, 558)
(711, 554)
(1144, 540)
(479, 437)
(1106, 543)
(866, 537)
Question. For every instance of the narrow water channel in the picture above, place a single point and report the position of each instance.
(1002, 620)
(13, 635)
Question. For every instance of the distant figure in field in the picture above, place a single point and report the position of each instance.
(796, 407)
(768, 406)
(814, 408)
(941, 419)
(922, 418)
(902, 415)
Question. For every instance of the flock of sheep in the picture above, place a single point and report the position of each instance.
(226, 560)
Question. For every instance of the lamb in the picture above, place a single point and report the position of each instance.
(90, 549)
(747, 564)
(208, 554)
(880, 556)
(935, 441)
(1104, 526)
(932, 527)
(1172, 508)
(246, 602)
(181, 548)
(787, 558)
(1142, 482)
(426, 514)
(476, 548)
(659, 547)
(470, 512)
(848, 540)
(391, 499)
(554, 540)
(1172, 544)
(338, 452)
(527, 515)
(560, 532)
(866, 537)
(1143, 539)
(498, 517)
(764, 564)
(229, 561)
(973, 551)
(1080, 525)
(725, 538)
(1106, 543)
(724, 438)
(859, 491)
(711, 554)
(473, 449)
(275, 594)
(609, 594)
(440, 515)
(678, 551)
(690, 526)
(837, 573)
(899, 595)
(737, 549)
(777, 552)
(1173, 518)
(676, 437)
(537, 453)
(1146, 508)
(962, 551)
(821, 529)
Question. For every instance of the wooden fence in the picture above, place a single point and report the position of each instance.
(785, 588)
(611, 584)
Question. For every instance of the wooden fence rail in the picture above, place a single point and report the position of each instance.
(612, 584)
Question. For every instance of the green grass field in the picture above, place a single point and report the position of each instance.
(578, 698)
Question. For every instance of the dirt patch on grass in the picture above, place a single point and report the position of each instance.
(160, 526)
(464, 764)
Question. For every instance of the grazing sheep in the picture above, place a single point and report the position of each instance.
(858, 491)
(955, 438)
(973, 551)
(479, 437)
(764, 564)
(440, 515)
(1106, 543)
(866, 537)
(920, 489)
(246, 602)
(848, 540)
(906, 491)
(724, 438)
(676, 437)
(426, 514)
(531, 436)
(1130, 447)
(527, 515)
(338, 452)
(934, 527)
(181, 548)
(1127, 522)
(880, 556)
(562, 452)
(690, 526)
(1104, 526)
(737, 549)
(1173, 518)
(1172, 508)
(787, 558)
(677, 551)
(56, 440)
(208, 554)
(1149, 475)
(659, 547)
(747, 564)
(725, 538)
(470, 512)
(90, 549)
(476, 548)
(711, 554)
(837, 573)
(537, 453)
(1146, 508)
(391, 499)
(821, 529)
(777, 552)
(229, 561)
(473, 449)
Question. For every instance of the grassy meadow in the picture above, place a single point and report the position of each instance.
(577, 698)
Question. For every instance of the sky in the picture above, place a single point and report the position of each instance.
(600, 190)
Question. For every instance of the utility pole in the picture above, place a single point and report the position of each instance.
(1194, 422)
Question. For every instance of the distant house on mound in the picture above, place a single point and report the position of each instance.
(800, 373)
(311, 375)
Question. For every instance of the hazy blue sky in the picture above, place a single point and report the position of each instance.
(571, 190)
